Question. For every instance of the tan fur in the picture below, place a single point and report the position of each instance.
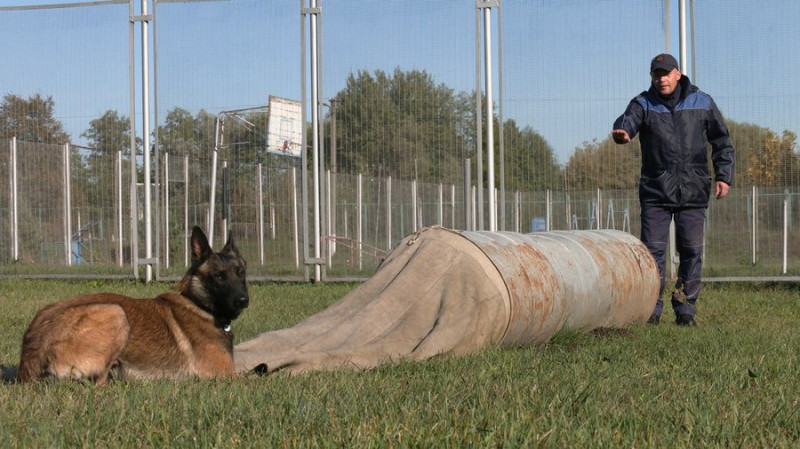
(174, 335)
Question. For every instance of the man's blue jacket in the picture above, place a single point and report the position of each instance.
(675, 170)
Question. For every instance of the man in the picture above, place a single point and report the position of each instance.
(674, 120)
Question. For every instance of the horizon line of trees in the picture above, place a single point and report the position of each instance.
(406, 126)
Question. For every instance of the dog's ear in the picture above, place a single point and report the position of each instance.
(230, 246)
(200, 246)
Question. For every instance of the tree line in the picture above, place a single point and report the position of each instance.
(403, 125)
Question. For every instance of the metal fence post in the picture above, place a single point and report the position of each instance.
(13, 190)
(67, 206)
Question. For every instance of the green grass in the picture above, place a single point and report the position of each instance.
(730, 382)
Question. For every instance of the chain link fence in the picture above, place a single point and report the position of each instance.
(400, 128)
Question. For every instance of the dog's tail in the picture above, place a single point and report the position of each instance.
(8, 374)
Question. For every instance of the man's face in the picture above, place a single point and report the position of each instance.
(665, 81)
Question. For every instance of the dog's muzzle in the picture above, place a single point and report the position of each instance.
(241, 302)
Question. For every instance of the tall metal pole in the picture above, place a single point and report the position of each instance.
(219, 135)
(500, 132)
(333, 229)
(156, 167)
(134, 199)
(478, 121)
(324, 180)
(148, 225)
(303, 139)
(684, 70)
(691, 37)
(315, 140)
(487, 50)
(682, 27)
(667, 23)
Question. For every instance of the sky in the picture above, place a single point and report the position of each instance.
(569, 66)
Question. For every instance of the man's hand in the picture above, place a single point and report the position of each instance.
(721, 189)
(620, 136)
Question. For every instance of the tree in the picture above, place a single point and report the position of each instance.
(404, 125)
(31, 120)
(746, 139)
(185, 135)
(39, 159)
(530, 160)
(776, 165)
(762, 158)
(604, 165)
(95, 178)
(105, 137)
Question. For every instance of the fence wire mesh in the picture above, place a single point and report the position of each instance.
(400, 134)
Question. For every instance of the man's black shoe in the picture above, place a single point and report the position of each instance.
(654, 319)
(684, 319)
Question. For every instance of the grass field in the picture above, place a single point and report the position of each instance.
(730, 382)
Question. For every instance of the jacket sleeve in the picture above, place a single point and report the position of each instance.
(631, 119)
(722, 154)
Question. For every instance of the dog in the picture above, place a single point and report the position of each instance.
(182, 334)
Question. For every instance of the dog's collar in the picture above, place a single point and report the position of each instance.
(226, 327)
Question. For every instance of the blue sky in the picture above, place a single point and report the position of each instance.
(570, 66)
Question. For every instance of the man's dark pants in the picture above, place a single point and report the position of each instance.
(689, 227)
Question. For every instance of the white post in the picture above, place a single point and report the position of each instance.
(414, 202)
(14, 202)
(673, 257)
(467, 194)
(785, 233)
(272, 224)
(610, 220)
(440, 218)
(389, 212)
(599, 209)
(260, 215)
(225, 223)
(186, 210)
(474, 197)
(119, 208)
(359, 213)
(329, 217)
(166, 210)
(453, 206)
(67, 206)
(295, 221)
(754, 224)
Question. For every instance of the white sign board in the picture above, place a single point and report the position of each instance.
(285, 129)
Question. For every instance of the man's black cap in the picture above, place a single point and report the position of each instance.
(664, 61)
